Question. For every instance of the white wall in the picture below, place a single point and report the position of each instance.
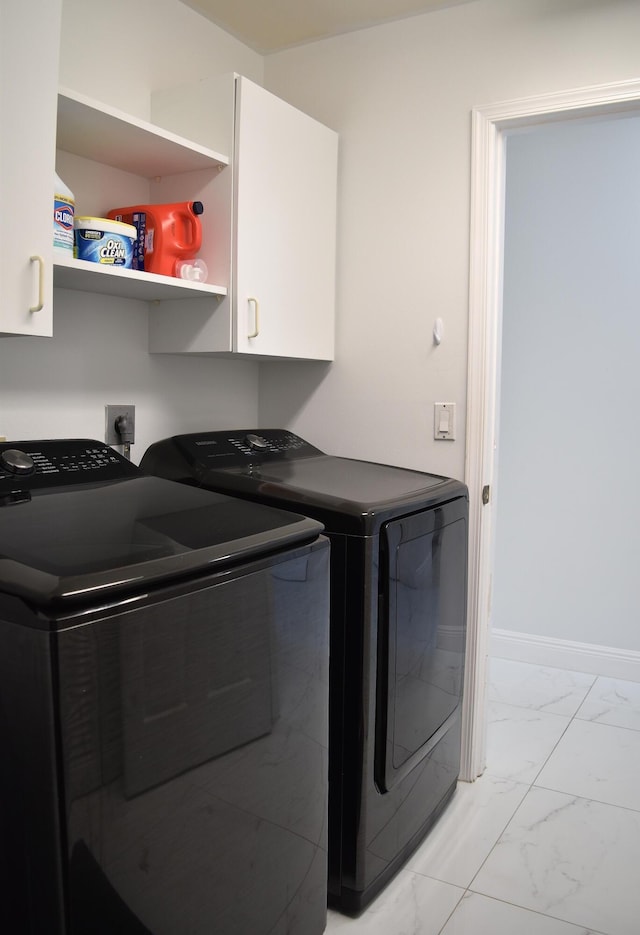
(400, 96)
(568, 515)
(58, 387)
(118, 53)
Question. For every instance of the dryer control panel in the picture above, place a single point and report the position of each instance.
(32, 465)
(254, 446)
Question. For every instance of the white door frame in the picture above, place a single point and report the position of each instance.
(489, 127)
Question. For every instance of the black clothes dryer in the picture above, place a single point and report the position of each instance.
(398, 622)
(163, 704)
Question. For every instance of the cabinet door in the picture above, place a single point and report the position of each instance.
(29, 49)
(285, 222)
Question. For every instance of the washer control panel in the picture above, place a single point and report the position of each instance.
(29, 465)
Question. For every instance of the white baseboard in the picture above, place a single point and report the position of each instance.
(564, 654)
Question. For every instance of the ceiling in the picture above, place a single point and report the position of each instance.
(270, 25)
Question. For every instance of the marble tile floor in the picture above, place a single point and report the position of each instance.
(547, 841)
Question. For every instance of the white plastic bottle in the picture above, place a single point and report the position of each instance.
(63, 210)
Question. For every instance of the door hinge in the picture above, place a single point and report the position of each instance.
(486, 494)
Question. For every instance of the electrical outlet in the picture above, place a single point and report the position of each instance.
(111, 415)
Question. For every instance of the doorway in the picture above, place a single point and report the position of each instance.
(490, 128)
(568, 502)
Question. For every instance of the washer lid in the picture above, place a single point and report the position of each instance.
(91, 541)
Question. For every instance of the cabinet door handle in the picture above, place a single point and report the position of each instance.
(256, 306)
(38, 259)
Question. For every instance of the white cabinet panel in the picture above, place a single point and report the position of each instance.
(285, 226)
(29, 41)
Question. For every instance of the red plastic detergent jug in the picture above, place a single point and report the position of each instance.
(167, 234)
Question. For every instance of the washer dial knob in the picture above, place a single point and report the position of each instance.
(17, 462)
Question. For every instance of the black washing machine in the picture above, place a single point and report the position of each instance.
(163, 704)
(398, 623)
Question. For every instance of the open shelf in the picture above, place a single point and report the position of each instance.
(104, 134)
(127, 283)
(108, 136)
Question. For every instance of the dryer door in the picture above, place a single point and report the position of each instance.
(421, 635)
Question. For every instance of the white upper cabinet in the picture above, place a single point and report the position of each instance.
(29, 34)
(285, 229)
(281, 212)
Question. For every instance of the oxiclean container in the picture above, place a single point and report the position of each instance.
(104, 241)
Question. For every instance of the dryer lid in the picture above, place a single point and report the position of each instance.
(357, 485)
(346, 495)
(275, 466)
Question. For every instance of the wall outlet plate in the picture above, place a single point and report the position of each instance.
(444, 421)
(111, 413)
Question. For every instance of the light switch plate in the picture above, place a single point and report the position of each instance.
(444, 421)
